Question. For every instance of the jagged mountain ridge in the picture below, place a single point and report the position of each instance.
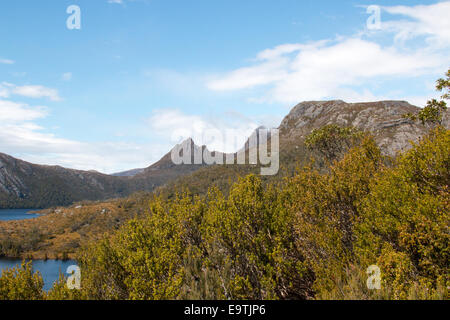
(23, 184)
(27, 185)
(384, 119)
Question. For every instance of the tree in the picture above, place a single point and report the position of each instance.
(433, 111)
(254, 231)
(332, 140)
(403, 224)
(60, 291)
(20, 283)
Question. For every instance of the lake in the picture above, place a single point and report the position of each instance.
(49, 269)
(16, 214)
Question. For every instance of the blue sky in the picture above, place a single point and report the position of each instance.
(119, 92)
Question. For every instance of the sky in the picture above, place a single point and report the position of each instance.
(120, 89)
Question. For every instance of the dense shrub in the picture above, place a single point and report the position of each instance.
(310, 236)
(20, 283)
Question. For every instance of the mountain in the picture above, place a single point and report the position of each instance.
(23, 184)
(165, 170)
(383, 119)
(128, 173)
(27, 185)
(61, 231)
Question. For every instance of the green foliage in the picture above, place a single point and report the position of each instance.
(444, 85)
(351, 285)
(332, 140)
(313, 235)
(433, 111)
(326, 206)
(309, 236)
(404, 223)
(254, 232)
(60, 291)
(20, 283)
(13, 247)
(241, 248)
(144, 260)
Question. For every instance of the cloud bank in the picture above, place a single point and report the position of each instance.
(335, 68)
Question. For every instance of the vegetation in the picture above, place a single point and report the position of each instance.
(25, 185)
(21, 283)
(432, 113)
(310, 236)
(332, 141)
(61, 232)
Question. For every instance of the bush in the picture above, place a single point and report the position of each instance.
(20, 283)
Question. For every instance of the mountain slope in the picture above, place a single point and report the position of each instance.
(24, 185)
(128, 173)
(383, 119)
(27, 185)
(165, 170)
(62, 231)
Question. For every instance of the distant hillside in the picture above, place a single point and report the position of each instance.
(64, 230)
(27, 185)
(24, 184)
(383, 119)
(128, 173)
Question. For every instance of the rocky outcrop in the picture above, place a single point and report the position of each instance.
(384, 119)
(23, 184)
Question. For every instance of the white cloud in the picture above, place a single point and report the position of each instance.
(6, 61)
(326, 70)
(338, 68)
(124, 2)
(19, 129)
(267, 72)
(32, 91)
(67, 76)
(29, 91)
(12, 112)
(225, 133)
(430, 21)
(4, 92)
(21, 136)
(286, 49)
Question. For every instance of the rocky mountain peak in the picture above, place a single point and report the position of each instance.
(384, 119)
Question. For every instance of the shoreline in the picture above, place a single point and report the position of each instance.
(35, 212)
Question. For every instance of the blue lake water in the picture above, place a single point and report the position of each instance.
(16, 214)
(49, 269)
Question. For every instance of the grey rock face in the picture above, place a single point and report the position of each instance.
(383, 119)
(23, 184)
